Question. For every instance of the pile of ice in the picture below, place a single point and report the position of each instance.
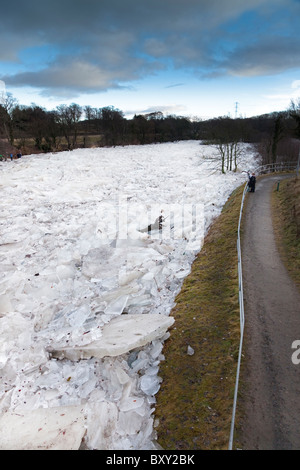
(95, 244)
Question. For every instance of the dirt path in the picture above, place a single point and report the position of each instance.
(271, 398)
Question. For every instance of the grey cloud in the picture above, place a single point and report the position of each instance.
(71, 77)
(264, 58)
(78, 75)
(175, 85)
(166, 110)
(71, 15)
(105, 44)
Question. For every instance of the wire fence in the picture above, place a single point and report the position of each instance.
(261, 170)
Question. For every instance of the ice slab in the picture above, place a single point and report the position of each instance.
(119, 336)
(102, 420)
(60, 428)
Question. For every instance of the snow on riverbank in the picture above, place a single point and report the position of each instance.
(89, 274)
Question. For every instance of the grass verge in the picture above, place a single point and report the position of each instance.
(194, 404)
(286, 224)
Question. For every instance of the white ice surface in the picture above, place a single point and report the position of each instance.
(76, 259)
(59, 428)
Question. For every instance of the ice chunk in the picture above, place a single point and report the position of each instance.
(129, 423)
(156, 349)
(139, 363)
(126, 290)
(126, 276)
(79, 315)
(60, 428)
(131, 403)
(88, 387)
(150, 384)
(5, 304)
(65, 271)
(119, 336)
(140, 301)
(117, 306)
(101, 425)
(122, 376)
(96, 263)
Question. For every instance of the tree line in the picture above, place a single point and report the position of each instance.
(276, 135)
(33, 129)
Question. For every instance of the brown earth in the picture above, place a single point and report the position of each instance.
(270, 395)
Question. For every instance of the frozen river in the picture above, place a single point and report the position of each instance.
(95, 244)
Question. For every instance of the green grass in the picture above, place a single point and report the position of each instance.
(194, 404)
(286, 223)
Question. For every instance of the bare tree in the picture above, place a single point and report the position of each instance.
(294, 112)
(7, 104)
(229, 154)
(278, 135)
(68, 118)
(113, 125)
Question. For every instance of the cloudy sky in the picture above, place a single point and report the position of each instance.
(202, 58)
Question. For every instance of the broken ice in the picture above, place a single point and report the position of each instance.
(83, 254)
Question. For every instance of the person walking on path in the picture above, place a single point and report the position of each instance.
(251, 182)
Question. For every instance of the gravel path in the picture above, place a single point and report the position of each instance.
(271, 398)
